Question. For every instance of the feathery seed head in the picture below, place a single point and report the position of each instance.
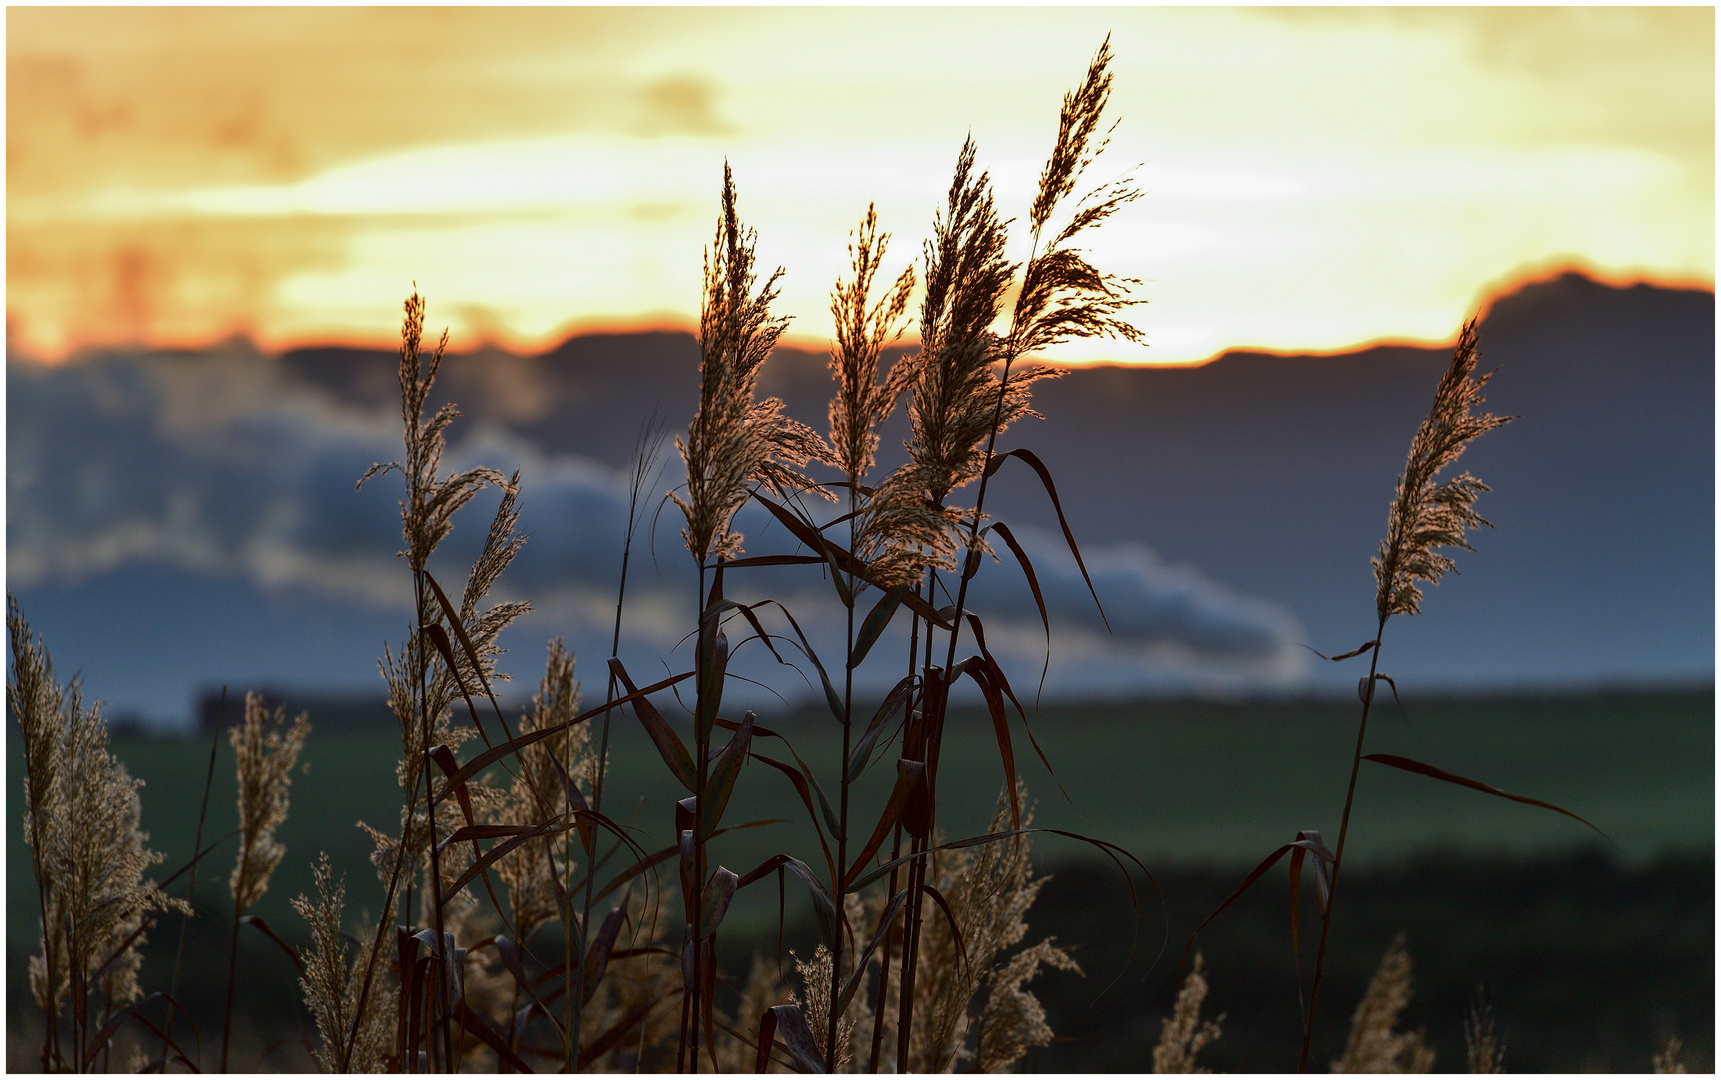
(1483, 1049)
(1373, 1046)
(266, 753)
(38, 703)
(735, 441)
(864, 328)
(956, 393)
(82, 829)
(1184, 1033)
(332, 986)
(531, 871)
(989, 890)
(427, 514)
(1063, 296)
(1426, 514)
(1667, 1059)
(1077, 121)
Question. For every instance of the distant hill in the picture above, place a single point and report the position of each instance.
(1273, 473)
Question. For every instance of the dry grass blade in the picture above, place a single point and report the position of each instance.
(797, 1038)
(1463, 781)
(1254, 875)
(668, 743)
(1426, 514)
(1032, 460)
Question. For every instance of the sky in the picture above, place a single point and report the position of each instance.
(1313, 179)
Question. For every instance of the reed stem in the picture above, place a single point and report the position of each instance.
(191, 889)
(1339, 854)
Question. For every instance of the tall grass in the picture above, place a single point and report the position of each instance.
(593, 953)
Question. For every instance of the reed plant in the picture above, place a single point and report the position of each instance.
(594, 954)
(89, 859)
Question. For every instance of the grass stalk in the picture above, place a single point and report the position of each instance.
(1339, 852)
(232, 971)
(843, 807)
(191, 889)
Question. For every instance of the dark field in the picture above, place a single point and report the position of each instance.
(1594, 955)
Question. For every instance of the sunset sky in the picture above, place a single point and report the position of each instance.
(1313, 179)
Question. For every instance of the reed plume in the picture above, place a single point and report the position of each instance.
(530, 872)
(969, 389)
(424, 680)
(814, 998)
(735, 441)
(957, 399)
(266, 755)
(895, 530)
(1484, 1051)
(972, 1003)
(1425, 514)
(1063, 296)
(1667, 1058)
(1374, 1047)
(427, 514)
(86, 848)
(332, 985)
(1183, 1034)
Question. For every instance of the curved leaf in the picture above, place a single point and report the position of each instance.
(724, 772)
(1033, 586)
(823, 905)
(977, 670)
(806, 794)
(668, 743)
(1464, 781)
(1254, 876)
(876, 621)
(893, 703)
(490, 757)
(910, 775)
(797, 1038)
(1032, 460)
(714, 900)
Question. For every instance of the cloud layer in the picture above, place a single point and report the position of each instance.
(218, 466)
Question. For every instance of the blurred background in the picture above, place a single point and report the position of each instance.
(214, 215)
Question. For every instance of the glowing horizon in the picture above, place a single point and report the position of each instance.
(1314, 179)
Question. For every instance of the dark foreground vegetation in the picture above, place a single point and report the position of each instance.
(1590, 964)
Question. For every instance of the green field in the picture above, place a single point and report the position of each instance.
(1187, 784)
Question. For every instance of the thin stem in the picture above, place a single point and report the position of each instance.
(642, 455)
(191, 889)
(895, 853)
(1339, 854)
(843, 811)
(232, 969)
(917, 847)
(702, 743)
(442, 987)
